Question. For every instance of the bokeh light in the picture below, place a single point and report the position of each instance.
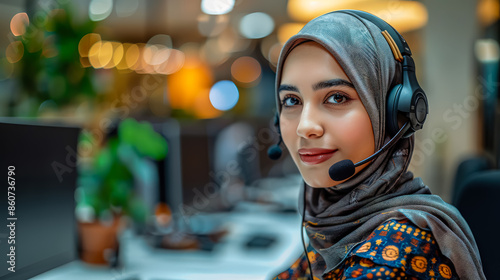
(86, 42)
(185, 86)
(18, 24)
(132, 56)
(156, 57)
(173, 64)
(94, 54)
(122, 65)
(140, 66)
(256, 25)
(14, 51)
(100, 9)
(488, 11)
(117, 53)
(161, 39)
(287, 30)
(224, 95)
(246, 70)
(217, 7)
(155, 54)
(404, 16)
(106, 54)
(100, 54)
(487, 50)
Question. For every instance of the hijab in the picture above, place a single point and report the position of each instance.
(344, 215)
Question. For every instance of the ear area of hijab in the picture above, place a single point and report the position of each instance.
(406, 101)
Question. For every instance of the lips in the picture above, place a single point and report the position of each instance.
(315, 155)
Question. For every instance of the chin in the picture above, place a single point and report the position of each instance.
(320, 182)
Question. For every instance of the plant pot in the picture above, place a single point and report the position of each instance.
(99, 242)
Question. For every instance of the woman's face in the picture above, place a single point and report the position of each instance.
(322, 119)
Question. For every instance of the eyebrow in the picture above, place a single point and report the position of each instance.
(286, 87)
(319, 85)
(332, 83)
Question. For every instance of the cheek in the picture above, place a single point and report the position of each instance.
(356, 136)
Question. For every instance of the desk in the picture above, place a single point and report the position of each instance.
(229, 259)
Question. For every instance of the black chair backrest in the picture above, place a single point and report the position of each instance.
(465, 169)
(478, 202)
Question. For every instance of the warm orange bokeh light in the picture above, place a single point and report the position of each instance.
(87, 42)
(94, 54)
(404, 16)
(246, 70)
(122, 65)
(100, 54)
(287, 30)
(115, 56)
(488, 11)
(106, 53)
(18, 24)
(132, 56)
(14, 51)
(188, 84)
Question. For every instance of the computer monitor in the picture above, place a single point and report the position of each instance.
(38, 169)
(187, 165)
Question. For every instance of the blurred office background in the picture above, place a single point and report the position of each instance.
(176, 100)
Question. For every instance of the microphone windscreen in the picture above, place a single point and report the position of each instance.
(342, 170)
(274, 152)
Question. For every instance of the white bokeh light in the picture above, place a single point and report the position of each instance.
(217, 7)
(256, 25)
(100, 9)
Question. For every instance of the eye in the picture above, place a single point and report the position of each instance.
(337, 98)
(290, 101)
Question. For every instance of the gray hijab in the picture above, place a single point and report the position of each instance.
(344, 215)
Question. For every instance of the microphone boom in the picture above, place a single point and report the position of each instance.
(345, 168)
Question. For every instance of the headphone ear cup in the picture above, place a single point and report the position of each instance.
(392, 126)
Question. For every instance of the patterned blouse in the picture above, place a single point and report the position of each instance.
(397, 249)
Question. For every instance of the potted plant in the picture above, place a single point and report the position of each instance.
(108, 187)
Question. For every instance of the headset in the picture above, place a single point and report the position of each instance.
(406, 103)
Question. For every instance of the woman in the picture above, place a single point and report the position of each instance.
(335, 82)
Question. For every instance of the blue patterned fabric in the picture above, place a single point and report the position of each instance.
(395, 250)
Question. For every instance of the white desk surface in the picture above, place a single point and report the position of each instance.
(230, 259)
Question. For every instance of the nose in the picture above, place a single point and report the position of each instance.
(310, 125)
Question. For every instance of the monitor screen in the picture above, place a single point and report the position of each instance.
(187, 165)
(38, 166)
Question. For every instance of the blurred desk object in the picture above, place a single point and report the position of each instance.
(230, 259)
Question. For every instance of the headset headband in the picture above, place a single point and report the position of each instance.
(382, 25)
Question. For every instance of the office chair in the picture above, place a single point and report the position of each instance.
(477, 200)
(465, 169)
